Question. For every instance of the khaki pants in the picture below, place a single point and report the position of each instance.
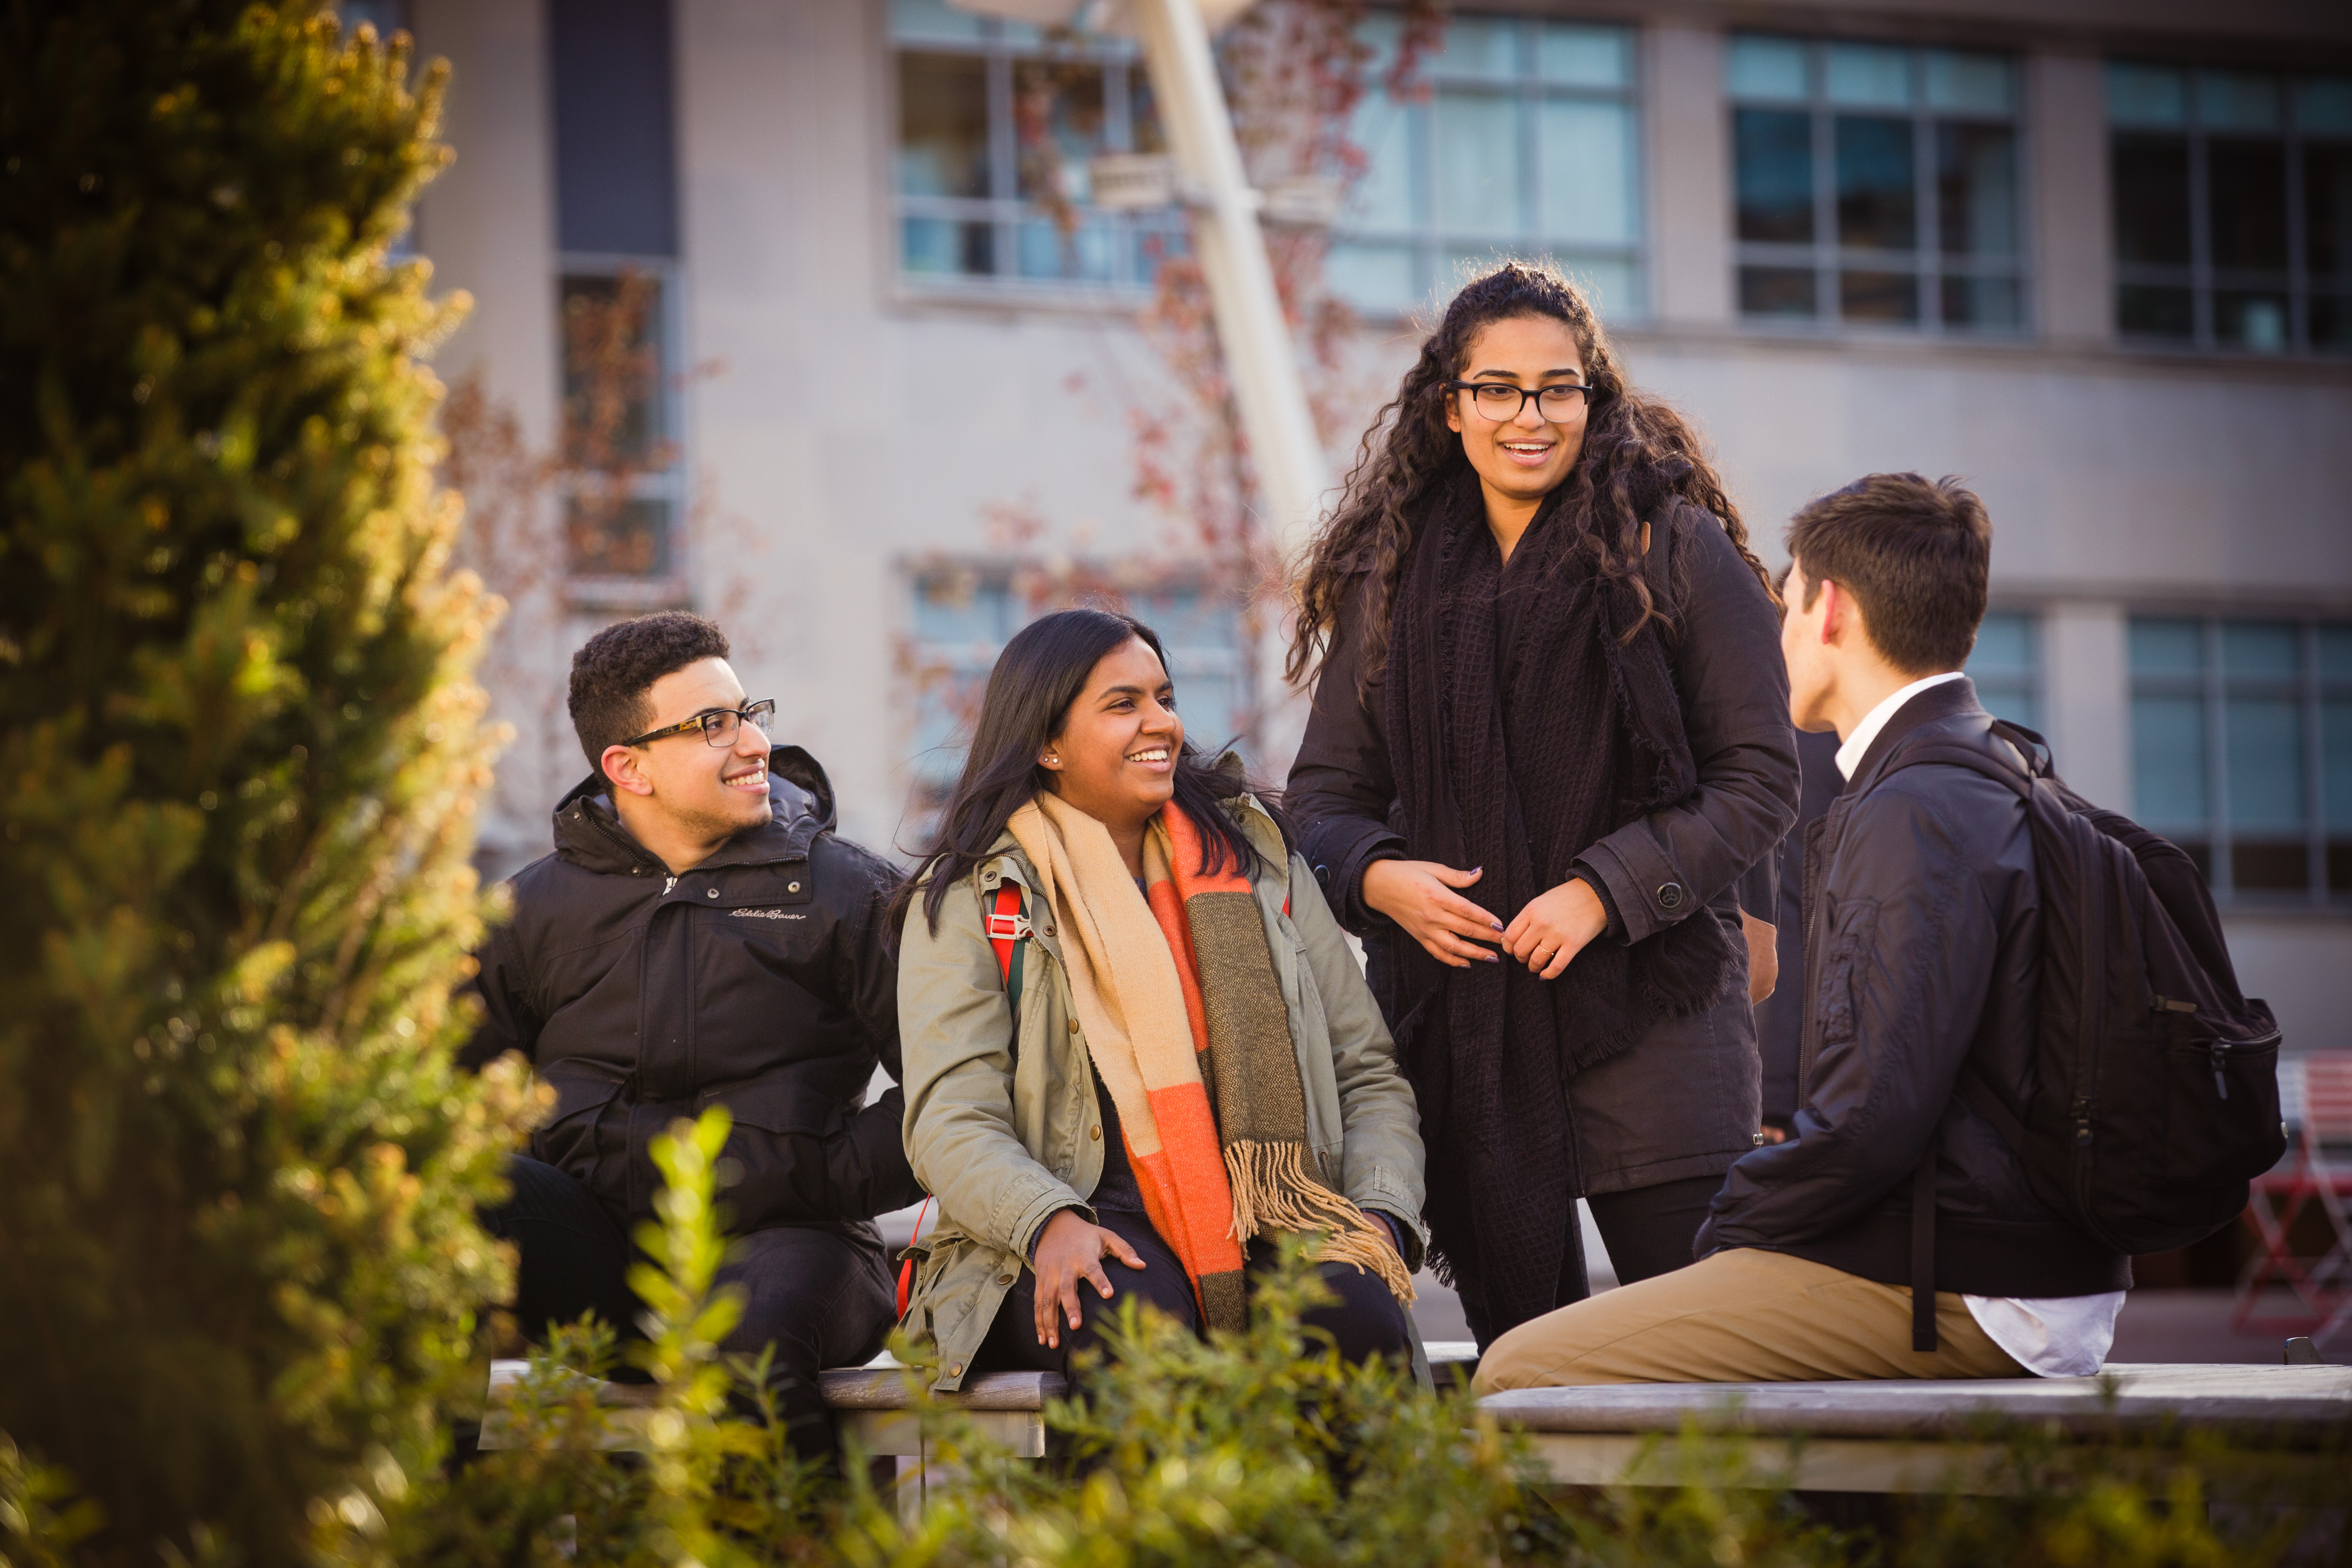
(1741, 1315)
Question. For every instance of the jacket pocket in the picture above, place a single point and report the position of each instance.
(569, 1140)
(1857, 923)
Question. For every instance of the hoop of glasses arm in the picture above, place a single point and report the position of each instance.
(719, 726)
(1542, 396)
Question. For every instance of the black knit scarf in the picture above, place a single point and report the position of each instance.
(1519, 763)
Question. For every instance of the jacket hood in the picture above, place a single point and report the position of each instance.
(588, 831)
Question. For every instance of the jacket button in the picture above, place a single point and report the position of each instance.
(1073, 1025)
(709, 892)
(792, 887)
(1094, 1134)
(1005, 1280)
(1669, 897)
(956, 1369)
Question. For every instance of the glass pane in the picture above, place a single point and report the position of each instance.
(2146, 95)
(1059, 126)
(617, 536)
(1143, 130)
(960, 607)
(1612, 285)
(1994, 303)
(2151, 197)
(2265, 763)
(2256, 321)
(1878, 297)
(2261, 649)
(1086, 254)
(1776, 291)
(2270, 865)
(2327, 210)
(2322, 106)
(1773, 149)
(2004, 648)
(1478, 164)
(942, 125)
(2335, 761)
(2168, 761)
(615, 362)
(2010, 701)
(2331, 322)
(1760, 66)
(932, 245)
(1486, 48)
(1383, 195)
(1380, 32)
(1868, 75)
(1973, 83)
(933, 21)
(2336, 653)
(1374, 277)
(1584, 57)
(1875, 183)
(2237, 100)
(2249, 196)
(1975, 189)
(2146, 312)
(2167, 647)
(1585, 153)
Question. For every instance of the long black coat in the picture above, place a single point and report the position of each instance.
(1684, 1102)
(757, 979)
(1923, 950)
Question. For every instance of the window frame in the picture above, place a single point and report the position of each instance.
(1826, 257)
(2200, 277)
(1001, 45)
(1431, 244)
(673, 484)
(2212, 687)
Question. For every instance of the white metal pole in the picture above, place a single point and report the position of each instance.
(1259, 359)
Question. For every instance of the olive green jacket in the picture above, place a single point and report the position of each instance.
(1003, 1147)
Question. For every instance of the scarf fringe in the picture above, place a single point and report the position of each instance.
(1273, 1189)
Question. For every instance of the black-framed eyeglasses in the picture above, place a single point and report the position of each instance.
(720, 726)
(1501, 402)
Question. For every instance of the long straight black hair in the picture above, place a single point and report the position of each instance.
(1041, 672)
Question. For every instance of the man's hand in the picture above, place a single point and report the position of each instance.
(1419, 896)
(1763, 957)
(1070, 1250)
(1554, 927)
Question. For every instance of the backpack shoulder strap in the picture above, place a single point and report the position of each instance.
(1657, 556)
(1009, 934)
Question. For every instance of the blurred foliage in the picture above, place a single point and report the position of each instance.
(239, 757)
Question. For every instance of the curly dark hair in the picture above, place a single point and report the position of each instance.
(1637, 453)
(613, 670)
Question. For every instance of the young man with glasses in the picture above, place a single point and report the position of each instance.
(700, 936)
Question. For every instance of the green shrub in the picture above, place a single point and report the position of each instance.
(238, 760)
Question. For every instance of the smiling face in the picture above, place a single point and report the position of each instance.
(680, 787)
(1114, 756)
(1525, 458)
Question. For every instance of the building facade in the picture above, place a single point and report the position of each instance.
(2093, 255)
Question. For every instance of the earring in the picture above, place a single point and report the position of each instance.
(1051, 759)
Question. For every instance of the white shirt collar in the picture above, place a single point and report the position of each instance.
(1857, 745)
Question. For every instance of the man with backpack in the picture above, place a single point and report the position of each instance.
(1900, 1233)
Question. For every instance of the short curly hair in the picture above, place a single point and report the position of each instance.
(613, 670)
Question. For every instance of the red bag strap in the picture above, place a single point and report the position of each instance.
(907, 1265)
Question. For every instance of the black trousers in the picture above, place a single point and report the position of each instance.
(1648, 1230)
(822, 1295)
(1366, 1320)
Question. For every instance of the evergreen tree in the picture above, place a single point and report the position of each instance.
(238, 755)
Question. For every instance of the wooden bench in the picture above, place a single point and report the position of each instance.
(1902, 1437)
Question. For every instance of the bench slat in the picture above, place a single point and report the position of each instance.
(884, 1388)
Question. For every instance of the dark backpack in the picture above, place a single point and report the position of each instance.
(2155, 1096)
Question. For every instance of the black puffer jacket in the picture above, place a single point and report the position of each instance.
(1923, 932)
(758, 979)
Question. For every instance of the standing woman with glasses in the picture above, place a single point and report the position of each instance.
(1550, 734)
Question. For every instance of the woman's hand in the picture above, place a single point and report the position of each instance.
(1070, 1250)
(1419, 896)
(1555, 926)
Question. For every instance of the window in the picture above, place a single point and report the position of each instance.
(616, 228)
(964, 616)
(2006, 667)
(2232, 208)
(1876, 185)
(1528, 142)
(996, 133)
(2241, 751)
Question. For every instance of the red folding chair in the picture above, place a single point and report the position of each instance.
(2315, 1097)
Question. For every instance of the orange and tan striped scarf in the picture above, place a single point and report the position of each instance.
(1184, 1019)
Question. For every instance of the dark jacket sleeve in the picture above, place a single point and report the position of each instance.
(1911, 934)
(1341, 788)
(508, 1023)
(847, 1163)
(1735, 696)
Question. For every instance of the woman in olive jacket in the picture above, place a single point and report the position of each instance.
(1550, 734)
(1043, 1219)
